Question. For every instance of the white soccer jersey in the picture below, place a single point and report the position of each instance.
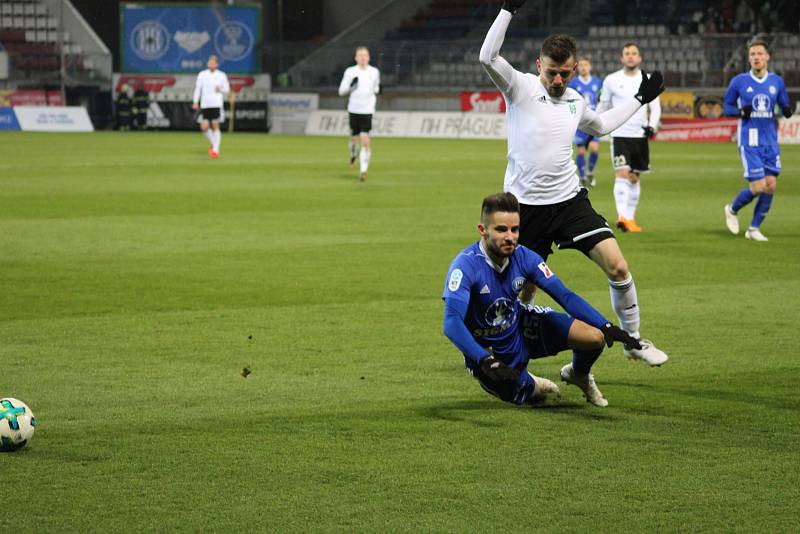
(362, 96)
(619, 87)
(210, 88)
(540, 168)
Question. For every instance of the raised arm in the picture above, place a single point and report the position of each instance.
(499, 70)
(611, 119)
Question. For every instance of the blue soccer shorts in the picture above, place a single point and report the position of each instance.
(583, 139)
(760, 161)
(545, 333)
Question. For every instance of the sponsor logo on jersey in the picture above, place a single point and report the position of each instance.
(501, 314)
(455, 280)
(150, 40)
(545, 270)
(542, 99)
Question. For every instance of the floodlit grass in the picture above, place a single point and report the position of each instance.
(140, 277)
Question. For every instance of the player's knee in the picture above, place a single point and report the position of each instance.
(617, 269)
(633, 177)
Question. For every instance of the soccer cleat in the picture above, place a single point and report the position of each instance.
(731, 220)
(544, 389)
(352, 160)
(755, 235)
(649, 354)
(362, 177)
(213, 153)
(628, 225)
(591, 180)
(585, 383)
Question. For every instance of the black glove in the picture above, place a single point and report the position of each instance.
(650, 88)
(649, 131)
(512, 5)
(496, 371)
(614, 333)
(787, 111)
(745, 112)
(354, 82)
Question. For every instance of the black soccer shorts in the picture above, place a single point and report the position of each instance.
(569, 224)
(360, 123)
(632, 153)
(209, 114)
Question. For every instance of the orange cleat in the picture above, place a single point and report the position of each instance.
(628, 225)
(214, 154)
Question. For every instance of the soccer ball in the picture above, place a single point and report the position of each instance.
(17, 424)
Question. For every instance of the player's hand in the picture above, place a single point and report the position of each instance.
(745, 112)
(195, 105)
(354, 82)
(512, 5)
(649, 132)
(787, 111)
(613, 333)
(497, 371)
(650, 88)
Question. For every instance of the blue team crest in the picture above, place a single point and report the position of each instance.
(772, 90)
(594, 88)
(761, 102)
(501, 314)
(518, 283)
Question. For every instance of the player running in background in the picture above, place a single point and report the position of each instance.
(209, 97)
(752, 96)
(363, 83)
(543, 115)
(630, 152)
(498, 335)
(589, 88)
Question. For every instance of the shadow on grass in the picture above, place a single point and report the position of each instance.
(470, 411)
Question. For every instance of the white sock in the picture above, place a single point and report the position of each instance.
(625, 304)
(634, 191)
(209, 134)
(365, 155)
(217, 139)
(621, 192)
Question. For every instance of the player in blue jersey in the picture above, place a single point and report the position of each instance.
(753, 96)
(498, 335)
(589, 88)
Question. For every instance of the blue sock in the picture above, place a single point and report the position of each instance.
(744, 198)
(593, 161)
(580, 161)
(583, 360)
(762, 207)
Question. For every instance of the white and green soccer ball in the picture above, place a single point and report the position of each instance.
(17, 424)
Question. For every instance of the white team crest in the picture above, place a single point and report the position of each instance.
(455, 280)
(772, 90)
(545, 270)
(761, 102)
(518, 283)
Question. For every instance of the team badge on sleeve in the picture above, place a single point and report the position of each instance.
(545, 270)
(455, 280)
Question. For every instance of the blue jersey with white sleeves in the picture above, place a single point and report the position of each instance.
(760, 130)
(490, 296)
(589, 90)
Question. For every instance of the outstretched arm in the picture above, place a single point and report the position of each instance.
(609, 120)
(455, 312)
(500, 71)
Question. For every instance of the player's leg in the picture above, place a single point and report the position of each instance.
(520, 392)
(535, 234)
(754, 174)
(217, 135)
(620, 159)
(765, 193)
(366, 154)
(624, 299)
(580, 161)
(594, 155)
(207, 133)
(353, 146)
(640, 163)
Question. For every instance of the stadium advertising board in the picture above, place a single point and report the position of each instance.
(445, 125)
(483, 101)
(789, 131)
(247, 116)
(8, 119)
(677, 104)
(289, 112)
(707, 130)
(179, 38)
(53, 119)
(30, 97)
(3, 64)
(181, 87)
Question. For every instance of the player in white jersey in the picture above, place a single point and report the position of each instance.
(209, 97)
(630, 153)
(543, 115)
(362, 82)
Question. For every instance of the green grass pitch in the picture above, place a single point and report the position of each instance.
(140, 277)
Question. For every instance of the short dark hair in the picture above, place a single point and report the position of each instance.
(559, 48)
(758, 42)
(505, 202)
(631, 44)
